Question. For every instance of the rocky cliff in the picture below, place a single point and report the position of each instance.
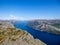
(6, 24)
(44, 25)
(14, 36)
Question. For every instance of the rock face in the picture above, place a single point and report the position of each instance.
(44, 25)
(14, 36)
(5, 24)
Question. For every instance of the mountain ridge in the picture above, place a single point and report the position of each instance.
(45, 25)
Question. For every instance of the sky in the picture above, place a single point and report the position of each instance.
(29, 9)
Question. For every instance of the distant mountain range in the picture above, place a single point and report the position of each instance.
(50, 26)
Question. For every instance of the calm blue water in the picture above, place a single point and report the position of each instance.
(49, 39)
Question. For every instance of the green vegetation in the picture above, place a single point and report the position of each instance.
(56, 25)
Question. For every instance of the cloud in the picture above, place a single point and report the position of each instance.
(13, 17)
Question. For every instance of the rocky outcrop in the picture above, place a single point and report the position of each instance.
(6, 24)
(13, 36)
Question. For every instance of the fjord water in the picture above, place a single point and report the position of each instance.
(48, 38)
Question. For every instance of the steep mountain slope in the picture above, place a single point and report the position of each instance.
(13, 36)
(6, 24)
(44, 25)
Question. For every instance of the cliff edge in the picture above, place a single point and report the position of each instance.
(13, 36)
